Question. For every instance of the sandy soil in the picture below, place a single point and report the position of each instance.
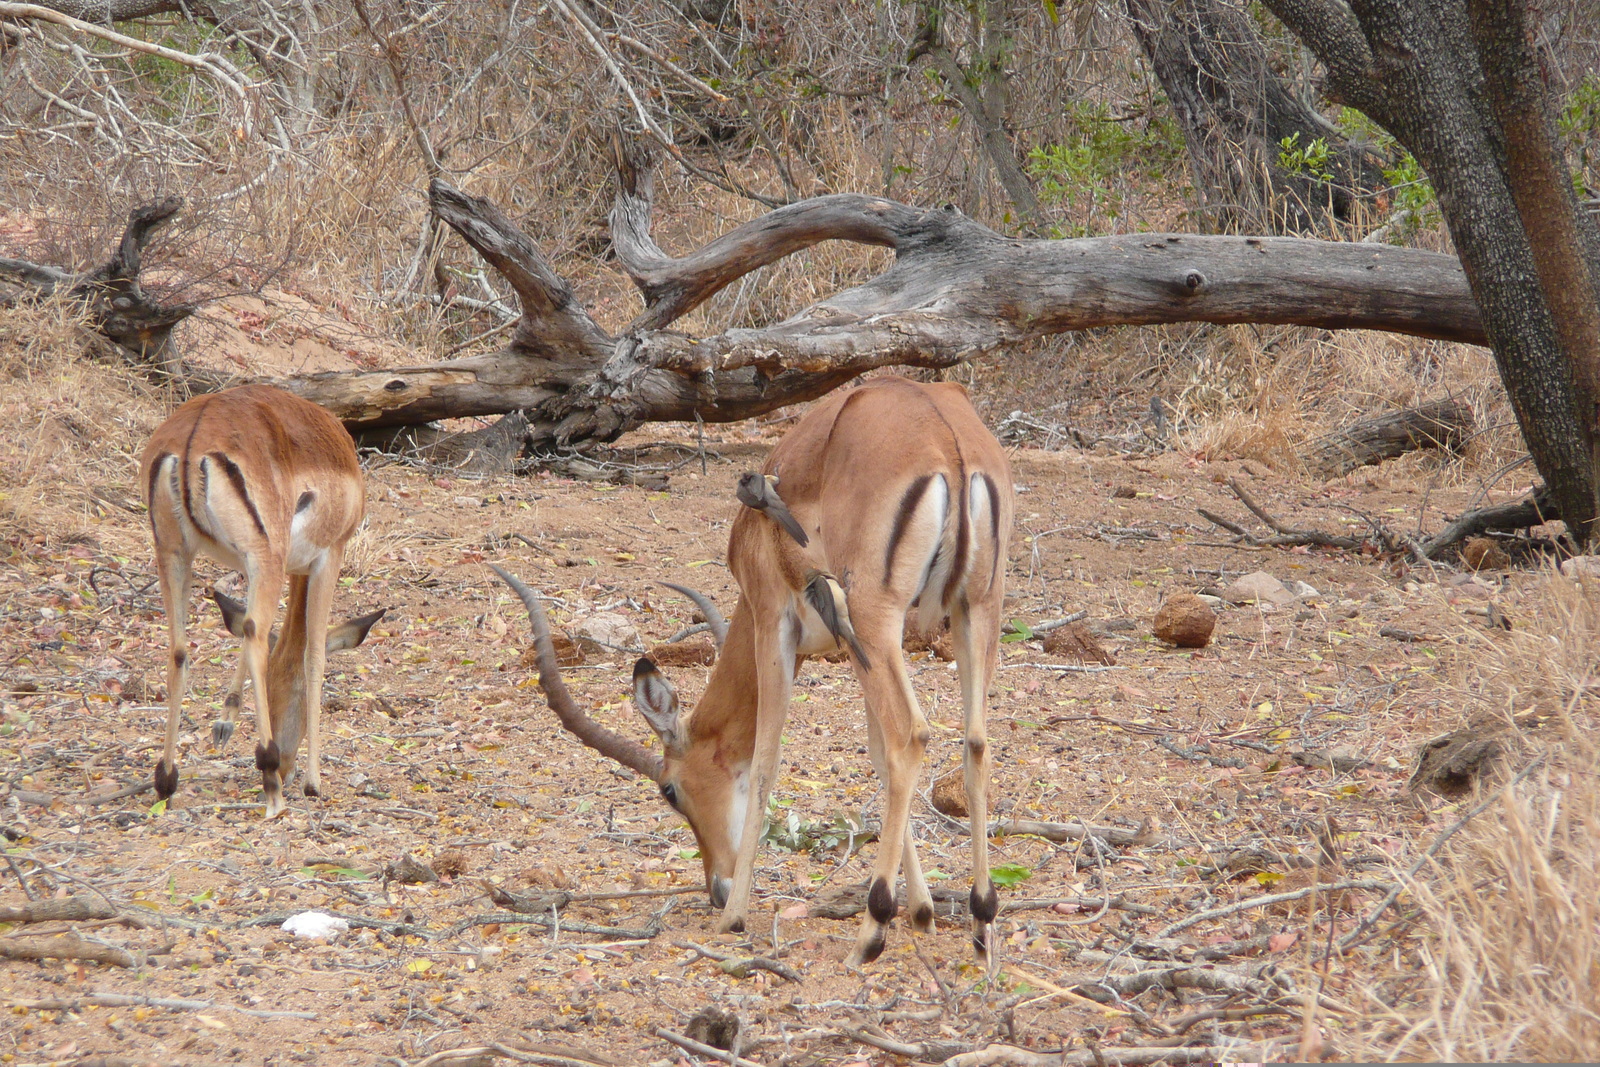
(440, 747)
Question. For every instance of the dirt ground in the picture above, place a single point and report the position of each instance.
(440, 747)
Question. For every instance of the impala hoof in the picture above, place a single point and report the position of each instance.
(221, 730)
(867, 951)
(731, 924)
(275, 805)
(166, 779)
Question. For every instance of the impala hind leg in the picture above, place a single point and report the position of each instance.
(975, 632)
(897, 737)
(174, 570)
(262, 605)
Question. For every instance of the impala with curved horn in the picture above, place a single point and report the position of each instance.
(266, 483)
(885, 501)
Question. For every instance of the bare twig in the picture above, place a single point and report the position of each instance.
(700, 1048)
(1274, 898)
(125, 1000)
(739, 962)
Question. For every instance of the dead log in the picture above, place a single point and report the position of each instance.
(64, 909)
(956, 291)
(1445, 423)
(1533, 510)
(117, 304)
(64, 947)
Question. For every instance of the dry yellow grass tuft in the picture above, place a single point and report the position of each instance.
(1508, 931)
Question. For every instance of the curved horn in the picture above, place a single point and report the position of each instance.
(714, 619)
(624, 750)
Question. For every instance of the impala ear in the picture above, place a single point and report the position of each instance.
(233, 612)
(657, 701)
(352, 632)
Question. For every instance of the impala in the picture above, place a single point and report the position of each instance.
(886, 501)
(268, 484)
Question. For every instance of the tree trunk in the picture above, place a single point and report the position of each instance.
(1412, 66)
(1235, 111)
(980, 89)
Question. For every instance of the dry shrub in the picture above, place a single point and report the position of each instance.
(77, 421)
(1510, 909)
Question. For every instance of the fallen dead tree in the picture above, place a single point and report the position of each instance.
(1444, 423)
(111, 295)
(957, 290)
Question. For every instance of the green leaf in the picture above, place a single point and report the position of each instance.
(1009, 874)
(1017, 630)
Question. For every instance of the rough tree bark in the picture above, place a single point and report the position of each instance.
(1442, 423)
(1465, 96)
(1235, 110)
(957, 290)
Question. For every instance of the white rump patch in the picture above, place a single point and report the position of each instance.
(936, 569)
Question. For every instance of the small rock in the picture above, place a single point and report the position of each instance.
(1484, 554)
(1581, 567)
(1303, 591)
(408, 870)
(685, 654)
(715, 1026)
(937, 644)
(1258, 588)
(1075, 641)
(949, 794)
(1186, 621)
(605, 633)
(1469, 586)
(450, 863)
(1124, 492)
(568, 654)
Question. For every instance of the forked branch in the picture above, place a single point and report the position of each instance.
(117, 304)
(956, 291)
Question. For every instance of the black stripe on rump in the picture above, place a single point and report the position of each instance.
(236, 476)
(958, 566)
(155, 472)
(902, 519)
(184, 473)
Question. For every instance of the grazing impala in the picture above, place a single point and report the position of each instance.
(268, 484)
(886, 501)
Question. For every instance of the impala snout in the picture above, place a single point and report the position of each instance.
(720, 888)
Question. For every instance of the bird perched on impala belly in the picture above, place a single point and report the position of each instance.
(759, 492)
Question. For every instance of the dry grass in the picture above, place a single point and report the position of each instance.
(76, 425)
(1500, 962)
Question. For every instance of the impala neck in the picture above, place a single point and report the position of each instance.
(725, 715)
